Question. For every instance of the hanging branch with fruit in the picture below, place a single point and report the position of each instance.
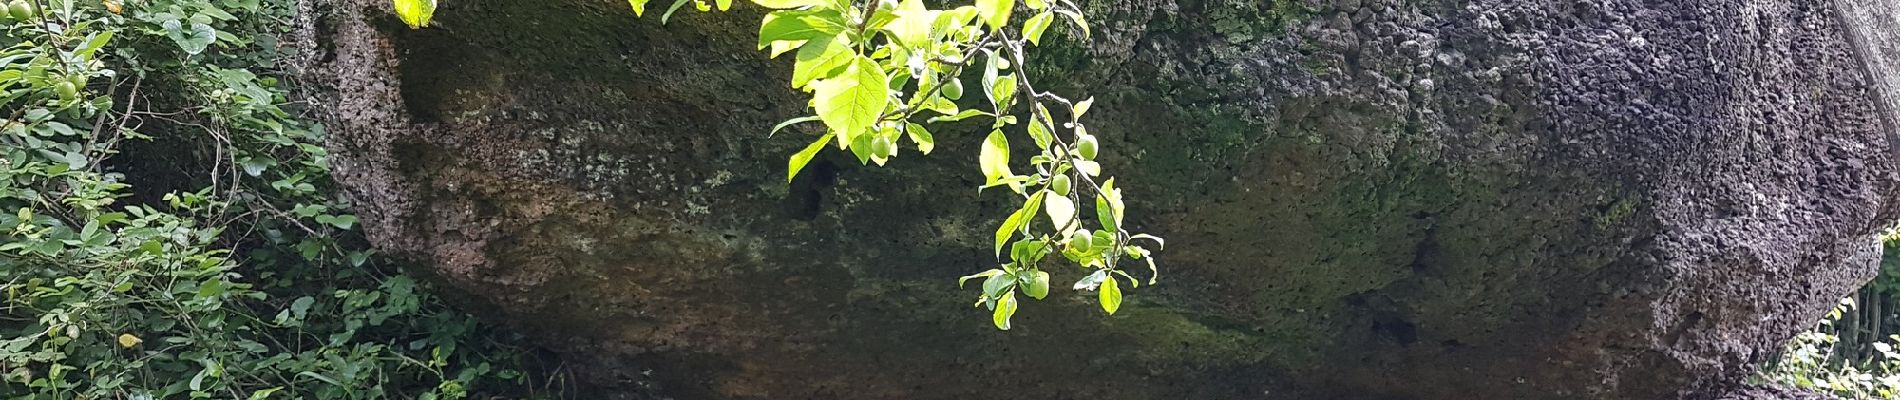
(882, 71)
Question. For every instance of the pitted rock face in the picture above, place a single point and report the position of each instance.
(1612, 199)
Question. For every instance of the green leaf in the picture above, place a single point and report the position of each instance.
(1159, 243)
(995, 12)
(93, 44)
(912, 26)
(639, 7)
(1108, 206)
(1154, 273)
(197, 36)
(1038, 286)
(804, 157)
(416, 13)
(821, 58)
(799, 25)
(1061, 212)
(782, 125)
(1012, 182)
(780, 47)
(1003, 91)
(785, 4)
(670, 10)
(851, 102)
(961, 116)
(997, 284)
(724, 4)
(1016, 221)
(1110, 295)
(1080, 21)
(861, 147)
(1033, 28)
(1081, 107)
(1005, 307)
(1039, 132)
(993, 159)
(984, 274)
(920, 136)
(1091, 282)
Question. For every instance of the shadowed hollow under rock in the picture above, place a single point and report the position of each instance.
(1381, 199)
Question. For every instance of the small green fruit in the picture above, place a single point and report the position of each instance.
(1081, 241)
(882, 146)
(19, 10)
(79, 81)
(953, 89)
(1086, 147)
(1060, 185)
(66, 90)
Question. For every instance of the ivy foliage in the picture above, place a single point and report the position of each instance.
(243, 277)
(881, 72)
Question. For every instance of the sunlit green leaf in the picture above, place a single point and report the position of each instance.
(995, 12)
(1108, 206)
(984, 274)
(1161, 244)
(1003, 91)
(961, 116)
(781, 125)
(675, 8)
(821, 58)
(1033, 28)
(416, 13)
(804, 156)
(1110, 295)
(1091, 282)
(1061, 212)
(921, 137)
(799, 25)
(1081, 107)
(1005, 307)
(861, 147)
(993, 159)
(997, 284)
(912, 23)
(1016, 221)
(850, 102)
(784, 4)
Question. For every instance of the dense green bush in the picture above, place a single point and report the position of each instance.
(1851, 352)
(1811, 361)
(230, 270)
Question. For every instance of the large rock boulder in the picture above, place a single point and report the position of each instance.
(1495, 199)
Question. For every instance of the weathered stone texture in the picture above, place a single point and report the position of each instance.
(1611, 199)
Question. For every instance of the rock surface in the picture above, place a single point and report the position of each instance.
(1382, 199)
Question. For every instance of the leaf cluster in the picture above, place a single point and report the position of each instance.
(246, 282)
(882, 72)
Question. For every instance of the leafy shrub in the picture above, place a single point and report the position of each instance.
(235, 273)
(1846, 353)
(1809, 362)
